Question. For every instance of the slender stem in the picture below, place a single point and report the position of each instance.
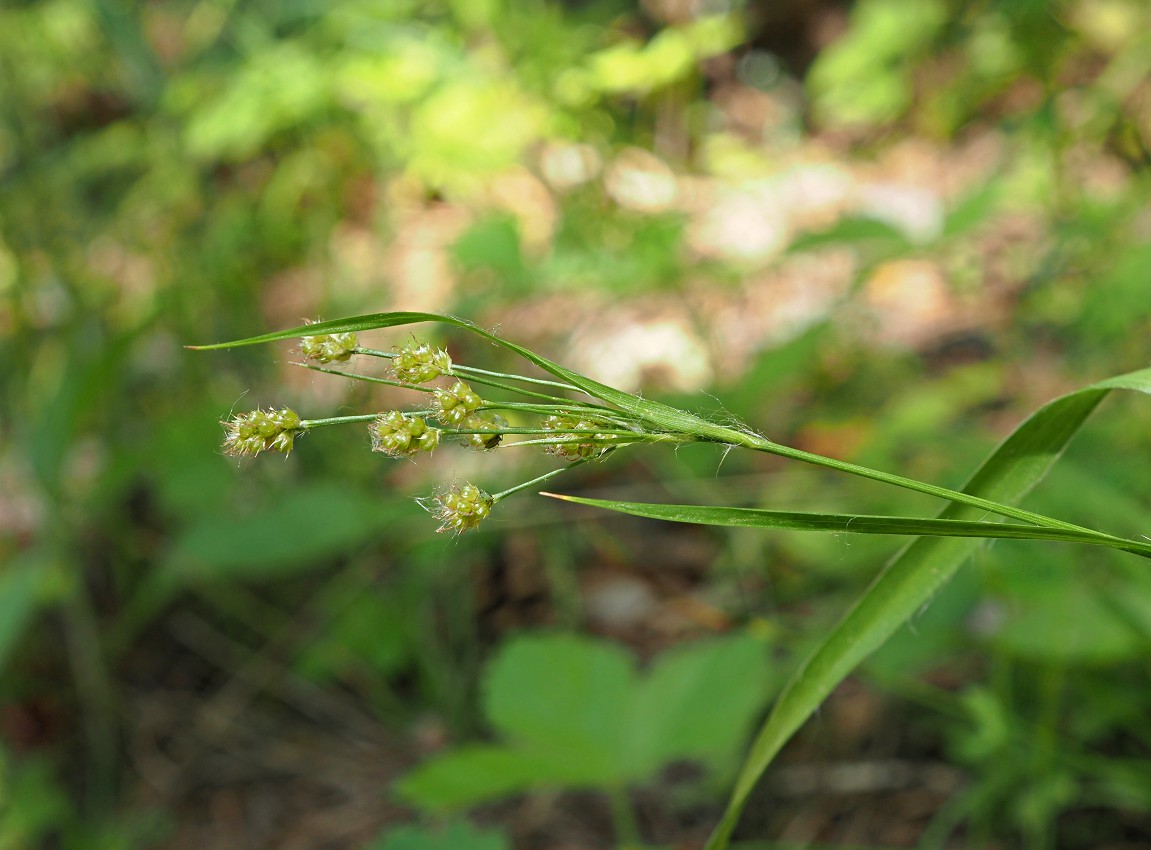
(373, 352)
(564, 406)
(538, 480)
(308, 424)
(565, 436)
(369, 378)
(624, 820)
(472, 371)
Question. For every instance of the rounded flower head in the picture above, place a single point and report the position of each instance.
(419, 363)
(455, 405)
(327, 348)
(487, 422)
(576, 446)
(461, 508)
(248, 434)
(398, 435)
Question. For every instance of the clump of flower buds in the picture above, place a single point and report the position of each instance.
(461, 508)
(455, 405)
(398, 435)
(576, 446)
(248, 434)
(483, 421)
(328, 348)
(419, 363)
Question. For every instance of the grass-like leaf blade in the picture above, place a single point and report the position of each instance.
(910, 579)
(845, 523)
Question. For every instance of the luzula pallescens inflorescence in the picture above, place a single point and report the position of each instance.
(399, 435)
(419, 363)
(329, 348)
(571, 430)
(248, 434)
(461, 508)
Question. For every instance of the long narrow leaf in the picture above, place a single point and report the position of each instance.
(845, 523)
(914, 575)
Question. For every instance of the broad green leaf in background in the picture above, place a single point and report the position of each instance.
(291, 533)
(565, 698)
(572, 712)
(472, 774)
(677, 711)
(456, 836)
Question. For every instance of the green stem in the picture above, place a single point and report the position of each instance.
(496, 497)
(309, 424)
(369, 378)
(472, 371)
(624, 820)
(561, 407)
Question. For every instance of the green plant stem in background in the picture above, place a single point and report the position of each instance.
(624, 820)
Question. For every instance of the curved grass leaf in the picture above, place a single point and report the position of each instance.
(910, 579)
(847, 523)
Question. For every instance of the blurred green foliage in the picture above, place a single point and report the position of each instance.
(572, 713)
(205, 169)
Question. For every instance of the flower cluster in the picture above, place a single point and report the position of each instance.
(461, 508)
(419, 363)
(485, 428)
(399, 435)
(248, 434)
(455, 405)
(328, 348)
(571, 430)
(576, 446)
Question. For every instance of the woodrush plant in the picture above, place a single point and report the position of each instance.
(578, 419)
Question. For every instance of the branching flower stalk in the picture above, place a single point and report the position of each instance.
(571, 430)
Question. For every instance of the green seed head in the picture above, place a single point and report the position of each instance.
(487, 421)
(576, 446)
(461, 508)
(419, 363)
(455, 405)
(398, 435)
(328, 348)
(248, 434)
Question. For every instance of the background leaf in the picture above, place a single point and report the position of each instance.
(471, 775)
(566, 699)
(456, 836)
(697, 702)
